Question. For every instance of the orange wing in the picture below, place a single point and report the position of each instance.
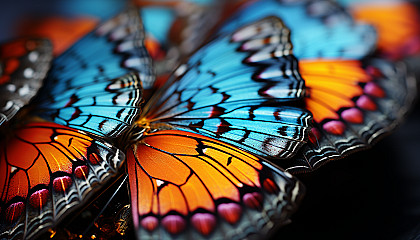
(353, 103)
(46, 171)
(397, 24)
(334, 85)
(184, 184)
(63, 32)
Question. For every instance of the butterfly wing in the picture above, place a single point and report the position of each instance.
(47, 171)
(353, 105)
(186, 185)
(23, 66)
(234, 89)
(397, 24)
(90, 86)
(332, 32)
(62, 31)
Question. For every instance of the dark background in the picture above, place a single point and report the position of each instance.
(374, 194)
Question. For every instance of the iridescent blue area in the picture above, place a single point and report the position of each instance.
(333, 35)
(218, 94)
(95, 85)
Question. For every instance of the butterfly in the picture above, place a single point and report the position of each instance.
(23, 66)
(48, 169)
(396, 23)
(192, 133)
(354, 98)
(192, 126)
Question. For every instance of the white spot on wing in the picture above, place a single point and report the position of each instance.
(159, 182)
(8, 105)
(28, 73)
(11, 87)
(24, 90)
(33, 56)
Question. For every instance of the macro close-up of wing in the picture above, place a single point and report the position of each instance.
(184, 185)
(206, 119)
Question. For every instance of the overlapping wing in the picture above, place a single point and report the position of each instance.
(234, 89)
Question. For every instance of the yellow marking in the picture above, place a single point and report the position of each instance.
(52, 232)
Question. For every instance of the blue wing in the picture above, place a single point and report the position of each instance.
(237, 94)
(319, 29)
(91, 87)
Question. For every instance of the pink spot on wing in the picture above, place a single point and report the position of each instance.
(373, 71)
(374, 90)
(334, 127)
(352, 115)
(174, 224)
(231, 212)
(149, 223)
(61, 184)
(204, 222)
(39, 198)
(81, 172)
(364, 102)
(253, 200)
(14, 211)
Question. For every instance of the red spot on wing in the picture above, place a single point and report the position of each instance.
(94, 159)
(366, 103)
(81, 172)
(231, 212)
(270, 186)
(14, 211)
(203, 222)
(149, 223)
(334, 127)
(174, 224)
(253, 200)
(314, 135)
(62, 184)
(75, 114)
(216, 111)
(39, 198)
(11, 65)
(352, 115)
(374, 90)
(73, 99)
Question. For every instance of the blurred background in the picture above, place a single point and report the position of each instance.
(374, 194)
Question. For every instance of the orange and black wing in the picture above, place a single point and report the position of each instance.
(353, 104)
(396, 22)
(184, 185)
(47, 171)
